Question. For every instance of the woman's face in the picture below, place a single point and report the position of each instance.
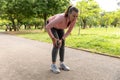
(73, 16)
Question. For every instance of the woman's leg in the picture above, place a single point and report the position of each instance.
(54, 49)
(61, 52)
(62, 48)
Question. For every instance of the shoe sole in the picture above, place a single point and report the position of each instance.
(63, 69)
(54, 72)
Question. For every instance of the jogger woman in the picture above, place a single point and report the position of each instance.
(55, 28)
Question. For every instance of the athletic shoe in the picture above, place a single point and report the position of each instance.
(64, 67)
(54, 69)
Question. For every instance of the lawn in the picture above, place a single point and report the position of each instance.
(102, 40)
(2, 30)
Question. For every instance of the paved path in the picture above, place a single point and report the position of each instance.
(24, 59)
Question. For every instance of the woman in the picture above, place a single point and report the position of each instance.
(55, 28)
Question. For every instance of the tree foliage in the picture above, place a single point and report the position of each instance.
(17, 11)
(92, 15)
(36, 12)
(89, 12)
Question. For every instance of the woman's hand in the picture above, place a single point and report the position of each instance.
(54, 40)
(60, 43)
(57, 42)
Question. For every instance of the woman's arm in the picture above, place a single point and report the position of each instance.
(69, 30)
(52, 24)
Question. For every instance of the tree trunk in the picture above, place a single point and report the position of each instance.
(79, 31)
(84, 23)
(45, 19)
(13, 24)
(25, 26)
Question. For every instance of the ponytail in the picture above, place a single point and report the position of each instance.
(70, 9)
(67, 11)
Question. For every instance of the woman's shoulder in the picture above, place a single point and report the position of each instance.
(61, 15)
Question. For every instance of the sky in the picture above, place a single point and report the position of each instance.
(107, 5)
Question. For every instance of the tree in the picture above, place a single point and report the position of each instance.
(46, 8)
(89, 12)
(118, 2)
(116, 19)
(17, 11)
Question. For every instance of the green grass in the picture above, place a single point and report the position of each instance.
(1, 30)
(97, 40)
(102, 40)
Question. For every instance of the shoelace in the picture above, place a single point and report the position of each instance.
(55, 66)
(63, 65)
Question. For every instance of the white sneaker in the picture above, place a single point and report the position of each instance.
(54, 69)
(64, 67)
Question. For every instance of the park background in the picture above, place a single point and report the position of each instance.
(96, 30)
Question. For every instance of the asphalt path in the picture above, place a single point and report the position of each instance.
(24, 59)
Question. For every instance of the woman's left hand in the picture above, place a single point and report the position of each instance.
(60, 43)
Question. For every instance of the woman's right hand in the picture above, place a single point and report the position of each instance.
(55, 41)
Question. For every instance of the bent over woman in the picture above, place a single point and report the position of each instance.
(55, 28)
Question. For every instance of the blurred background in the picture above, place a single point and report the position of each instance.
(27, 14)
